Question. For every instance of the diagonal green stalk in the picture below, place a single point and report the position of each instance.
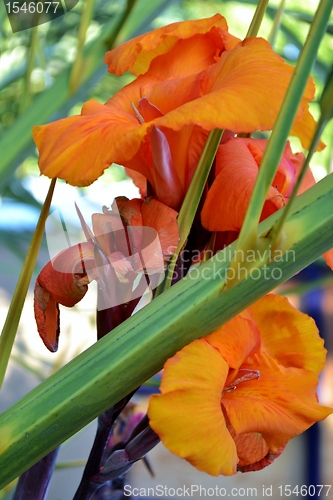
(134, 351)
(76, 71)
(257, 18)
(192, 200)
(15, 309)
(276, 144)
(326, 106)
(33, 49)
(276, 23)
(275, 234)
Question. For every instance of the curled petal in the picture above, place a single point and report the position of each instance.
(282, 325)
(167, 184)
(280, 405)
(62, 281)
(236, 340)
(137, 54)
(187, 415)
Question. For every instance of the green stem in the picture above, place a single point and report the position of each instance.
(26, 94)
(15, 309)
(116, 34)
(257, 18)
(276, 23)
(192, 200)
(275, 234)
(76, 71)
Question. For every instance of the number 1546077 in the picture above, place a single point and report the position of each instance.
(32, 7)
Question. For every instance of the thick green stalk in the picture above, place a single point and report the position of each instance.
(257, 18)
(277, 141)
(134, 351)
(15, 309)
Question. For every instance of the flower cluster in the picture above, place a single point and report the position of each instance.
(232, 400)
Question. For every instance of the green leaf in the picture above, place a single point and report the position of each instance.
(122, 360)
(15, 309)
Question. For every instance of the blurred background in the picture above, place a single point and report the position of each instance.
(48, 72)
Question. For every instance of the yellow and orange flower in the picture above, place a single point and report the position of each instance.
(242, 392)
(193, 77)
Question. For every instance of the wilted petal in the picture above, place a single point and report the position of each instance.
(64, 281)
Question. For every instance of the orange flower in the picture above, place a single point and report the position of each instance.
(135, 238)
(158, 124)
(242, 392)
(237, 164)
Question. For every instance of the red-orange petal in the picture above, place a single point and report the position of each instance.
(229, 196)
(62, 281)
(328, 256)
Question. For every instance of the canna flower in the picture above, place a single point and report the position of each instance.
(193, 77)
(237, 164)
(242, 392)
(132, 241)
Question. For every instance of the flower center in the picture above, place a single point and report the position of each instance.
(243, 375)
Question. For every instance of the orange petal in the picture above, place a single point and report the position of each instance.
(235, 340)
(187, 415)
(290, 328)
(328, 256)
(62, 281)
(137, 54)
(79, 148)
(251, 448)
(237, 172)
(239, 98)
(164, 220)
(280, 405)
(139, 180)
(227, 95)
